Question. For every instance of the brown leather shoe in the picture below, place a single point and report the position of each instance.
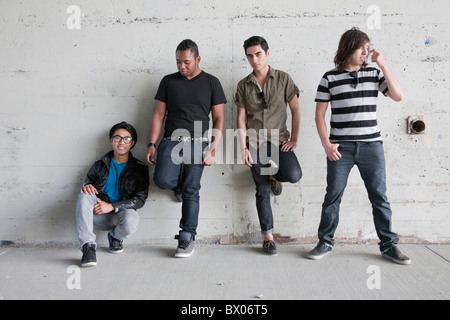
(270, 248)
(276, 186)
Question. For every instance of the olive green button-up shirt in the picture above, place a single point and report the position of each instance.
(279, 89)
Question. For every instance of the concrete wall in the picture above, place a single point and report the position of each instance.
(67, 76)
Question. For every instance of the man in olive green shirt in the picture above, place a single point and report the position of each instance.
(262, 98)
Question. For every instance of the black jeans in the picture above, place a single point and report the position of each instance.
(289, 170)
(179, 166)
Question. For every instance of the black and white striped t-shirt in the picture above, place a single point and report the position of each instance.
(353, 98)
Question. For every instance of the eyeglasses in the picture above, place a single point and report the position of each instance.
(354, 83)
(126, 140)
(264, 103)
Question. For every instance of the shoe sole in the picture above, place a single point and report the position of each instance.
(402, 262)
(311, 257)
(89, 264)
(184, 255)
(116, 251)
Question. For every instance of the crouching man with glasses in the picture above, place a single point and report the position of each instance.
(115, 187)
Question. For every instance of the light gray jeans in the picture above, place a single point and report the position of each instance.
(120, 224)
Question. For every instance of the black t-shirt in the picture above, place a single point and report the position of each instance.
(189, 101)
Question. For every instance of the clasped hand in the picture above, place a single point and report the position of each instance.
(101, 207)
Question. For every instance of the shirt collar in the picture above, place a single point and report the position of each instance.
(251, 77)
(357, 70)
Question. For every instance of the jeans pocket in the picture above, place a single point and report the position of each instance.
(375, 144)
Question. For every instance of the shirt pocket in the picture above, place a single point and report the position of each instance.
(253, 102)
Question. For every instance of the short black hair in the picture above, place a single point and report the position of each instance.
(188, 44)
(126, 126)
(254, 41)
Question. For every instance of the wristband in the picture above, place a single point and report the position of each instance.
(151, 144)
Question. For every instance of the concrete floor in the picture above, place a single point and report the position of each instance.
(224, 272)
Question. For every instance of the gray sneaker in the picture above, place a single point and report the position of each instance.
(319, 251)
(185, 244)
(395, 255)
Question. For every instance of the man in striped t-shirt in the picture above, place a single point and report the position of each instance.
(353, 98)
(352, 89)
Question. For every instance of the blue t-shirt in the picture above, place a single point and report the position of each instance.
(112, 184)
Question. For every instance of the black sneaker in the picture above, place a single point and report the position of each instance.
(319, 251)
(88, 259)
(115, 245)
(270, 248)
(185, 244)
(177, 194)
(395, 255)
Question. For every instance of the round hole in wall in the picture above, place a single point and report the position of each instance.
(418, 126)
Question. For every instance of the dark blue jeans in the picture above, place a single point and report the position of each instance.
(369, 158)
(289, 170)
(178, 166)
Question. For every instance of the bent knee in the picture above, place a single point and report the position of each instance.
(296, 176)
(163, 183)
(85, 197)
(130, 220)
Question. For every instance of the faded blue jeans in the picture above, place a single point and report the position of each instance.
(369, 158)
(179, 167)
(120, 224)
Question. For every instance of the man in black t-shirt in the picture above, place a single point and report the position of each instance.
(184, 100)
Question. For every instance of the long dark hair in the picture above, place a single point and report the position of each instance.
(351, 40)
